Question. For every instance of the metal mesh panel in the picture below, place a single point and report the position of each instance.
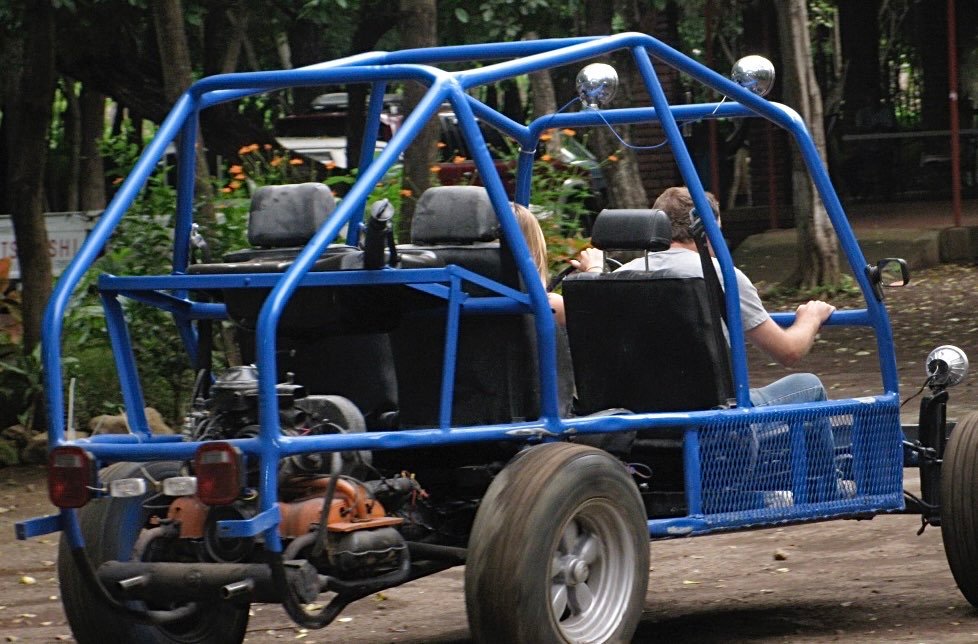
(801, 463)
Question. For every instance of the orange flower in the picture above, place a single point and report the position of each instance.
(253, 147)
(330, 164)
(275, 162)
(546, 137)
(267, 146)
(613, 158)
(244, 150)
(546, 157)
(458, 159)
(296, 161)
(406, 192)
(235, 169)
(436, 169)
(241, 176)
(226, 190)
(234, 185)
(568, 132)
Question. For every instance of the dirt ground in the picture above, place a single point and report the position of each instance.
(851, 581)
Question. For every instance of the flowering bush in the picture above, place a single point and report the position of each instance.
(263, 165)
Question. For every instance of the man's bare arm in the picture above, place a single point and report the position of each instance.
(790, 345)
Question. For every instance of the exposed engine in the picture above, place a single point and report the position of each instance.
(369, 518)
(230, 410)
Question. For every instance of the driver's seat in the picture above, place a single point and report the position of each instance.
(638, 341)
(644, 343)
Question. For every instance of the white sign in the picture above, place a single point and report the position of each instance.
(66, 232)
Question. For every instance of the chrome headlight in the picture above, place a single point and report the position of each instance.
(947, 366)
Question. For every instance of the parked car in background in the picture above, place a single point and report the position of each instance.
(319, 134)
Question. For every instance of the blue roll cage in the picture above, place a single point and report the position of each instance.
(171, 292)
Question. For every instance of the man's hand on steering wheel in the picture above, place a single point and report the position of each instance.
(589, 260)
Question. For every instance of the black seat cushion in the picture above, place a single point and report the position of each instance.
(497, 379)
(454, 215)
(642, 344)
(288, 215)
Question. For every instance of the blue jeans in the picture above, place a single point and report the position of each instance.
(796, 388)
(819, 441)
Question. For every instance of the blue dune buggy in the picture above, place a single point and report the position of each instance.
(400, 409)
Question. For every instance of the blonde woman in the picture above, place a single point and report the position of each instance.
(538, 253)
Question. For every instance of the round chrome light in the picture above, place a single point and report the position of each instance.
(755, 73)
(597, 84)
(947, 366)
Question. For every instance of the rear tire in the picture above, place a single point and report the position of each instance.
(110, 527)
(959, 505)
(559, 551)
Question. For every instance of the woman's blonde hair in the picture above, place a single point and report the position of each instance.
(533, 234)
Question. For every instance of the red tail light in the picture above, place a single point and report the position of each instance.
(220, 475)
(71, 477)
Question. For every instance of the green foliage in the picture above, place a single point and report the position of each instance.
(21, 385)
(491, 20)
(391, 187)
(8, 454)
(141, 245)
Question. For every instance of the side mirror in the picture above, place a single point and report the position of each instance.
(891, 272)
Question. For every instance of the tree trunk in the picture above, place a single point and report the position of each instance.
(27, 114)
(930, 19)
(174, 51)
(224, 128)
(376, 19)
(818, 260)
(624, 182)
(304, 46)
(92, 181)
(418, 29)
(859, 24)
(544, 98)
(73, 134)
(238, 18)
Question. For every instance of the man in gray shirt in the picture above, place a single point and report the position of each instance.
(787, 346)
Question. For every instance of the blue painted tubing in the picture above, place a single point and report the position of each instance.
(515, 49)
(516, 242)
(432, 437)
(125, 362)
(850, 317)
(444, 85)
(54, 313)
(692, 471)
(450, 357)
(738, 352)
(408, 276)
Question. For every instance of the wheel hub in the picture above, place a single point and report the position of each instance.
(577, 572)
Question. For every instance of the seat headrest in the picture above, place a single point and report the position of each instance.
(647, 230)
(454, 215)
(288, 215)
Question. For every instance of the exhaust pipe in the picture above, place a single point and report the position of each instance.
(189, 582)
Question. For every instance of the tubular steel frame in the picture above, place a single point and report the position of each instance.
(171, 292)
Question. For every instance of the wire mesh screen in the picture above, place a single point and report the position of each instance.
(802, 463)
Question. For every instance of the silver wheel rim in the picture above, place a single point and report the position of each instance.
(592, 573)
